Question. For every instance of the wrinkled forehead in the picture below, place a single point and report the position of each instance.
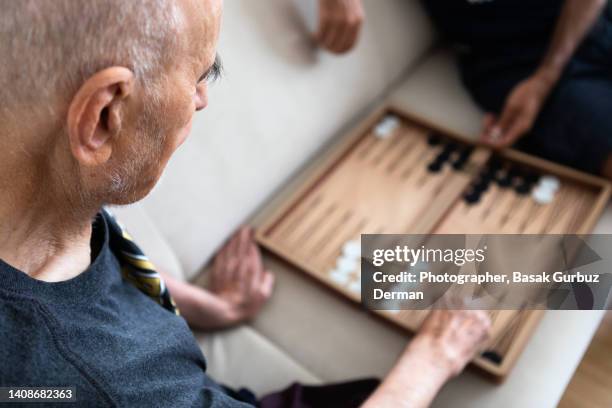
(202, 20)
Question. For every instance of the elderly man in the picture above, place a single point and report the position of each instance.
(541, 69)
(96, 96)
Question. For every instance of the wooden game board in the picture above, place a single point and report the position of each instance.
(370, 185)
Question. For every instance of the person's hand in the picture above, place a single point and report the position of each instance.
(339, 24)
(451, 338)
(239, 279)
(520, 112)
(445, 343)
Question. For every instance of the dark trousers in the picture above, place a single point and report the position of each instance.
(350, 394)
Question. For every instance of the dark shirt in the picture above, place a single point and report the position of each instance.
(100, 334)
(498, 42)
(502, 42)
(495, 26)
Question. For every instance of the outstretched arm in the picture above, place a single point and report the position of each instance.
(446, 342)
(239, 287)
(201, 308)
(527, 99)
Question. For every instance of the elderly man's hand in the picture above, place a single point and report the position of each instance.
(446, 342)
(451, 338)
(239, 279)
(520, 112)
(339, 24)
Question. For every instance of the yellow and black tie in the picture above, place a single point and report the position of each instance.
(135, 266)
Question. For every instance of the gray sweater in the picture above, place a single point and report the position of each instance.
(101, 335)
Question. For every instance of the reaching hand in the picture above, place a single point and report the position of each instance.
(454, 336)
(339, 24)
(520, 112)
(239, 279)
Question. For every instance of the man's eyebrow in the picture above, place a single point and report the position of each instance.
(214, 72)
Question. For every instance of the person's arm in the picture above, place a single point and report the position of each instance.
(239, 287)
(446, 342)
(339, 24)
(526, 100)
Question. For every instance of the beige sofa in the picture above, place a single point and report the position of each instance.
(279, 105)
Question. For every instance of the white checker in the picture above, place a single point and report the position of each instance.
(346, 265)
(355, 286)
(385, 127)
(550, 183)
(339, 278)
(382, 131)
(542, 196)
(339, 272)
(391, 121)
(352, 249)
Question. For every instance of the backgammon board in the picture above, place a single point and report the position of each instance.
(398, 174)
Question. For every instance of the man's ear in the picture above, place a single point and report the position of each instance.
(96, 114)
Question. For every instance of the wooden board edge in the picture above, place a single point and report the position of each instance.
(600, 205)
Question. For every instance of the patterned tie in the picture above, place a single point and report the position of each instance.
(135, 266)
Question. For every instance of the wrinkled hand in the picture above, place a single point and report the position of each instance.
(520, 112)
(239, 279)
(339, 24)
(453, 337)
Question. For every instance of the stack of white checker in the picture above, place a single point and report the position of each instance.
(544, 192)
(347, 272)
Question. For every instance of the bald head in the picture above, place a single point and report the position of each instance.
(54, 45)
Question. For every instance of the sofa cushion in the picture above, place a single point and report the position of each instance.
(243, 358)
(331, 337)
(434, 92)
(279, 102)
